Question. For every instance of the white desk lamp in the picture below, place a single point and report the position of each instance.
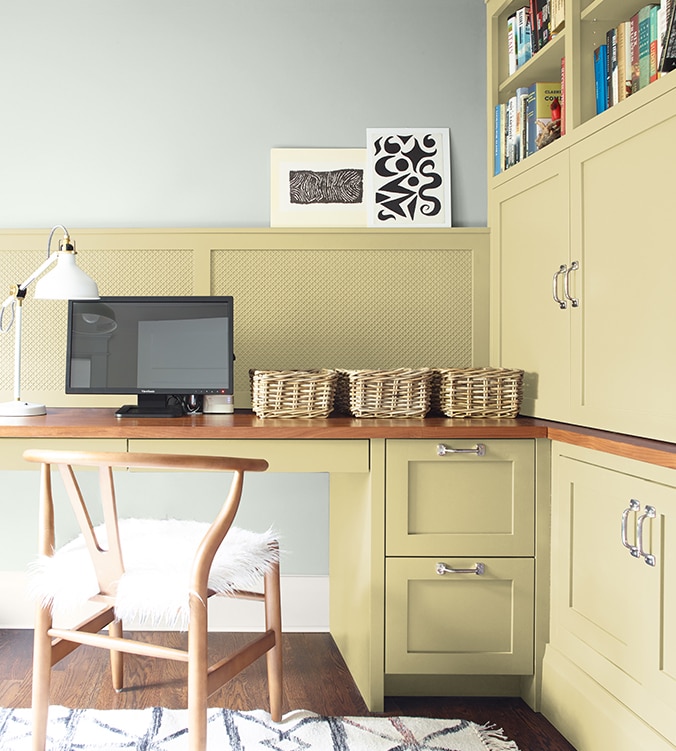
(66, 281)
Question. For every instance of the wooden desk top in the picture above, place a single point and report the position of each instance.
(87, 422)
(102, 423)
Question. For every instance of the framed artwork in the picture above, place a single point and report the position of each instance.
(317, 188)
(409, 177)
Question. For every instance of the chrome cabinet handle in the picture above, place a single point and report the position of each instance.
(478, 450)
(574, 266)
(649, 513)
(555, 286)
(633, 507)
(478, 569)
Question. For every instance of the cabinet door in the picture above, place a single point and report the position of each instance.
(623, 357)
(612, 614)
(470, 503)
(529, 221)
(460, 623)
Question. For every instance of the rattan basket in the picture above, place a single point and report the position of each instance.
(292, 393)
(479, 392)
(403, 392)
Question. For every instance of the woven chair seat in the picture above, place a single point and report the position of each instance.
(158, 557)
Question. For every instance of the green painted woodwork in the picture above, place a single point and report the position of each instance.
(460, 504)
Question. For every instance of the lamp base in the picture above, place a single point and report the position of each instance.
(22, 409)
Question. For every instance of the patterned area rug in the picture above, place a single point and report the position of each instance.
(159, 729)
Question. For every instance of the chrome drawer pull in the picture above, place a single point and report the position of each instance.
(649, 513)
(634, 506)
(555, 286)
(479, 450)
(478, 569)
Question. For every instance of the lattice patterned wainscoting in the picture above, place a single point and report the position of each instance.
(303, 298)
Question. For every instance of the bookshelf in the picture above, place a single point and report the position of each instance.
(599, 198)
(586, 24)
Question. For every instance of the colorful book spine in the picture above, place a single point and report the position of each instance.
(611, 46)
(653, 43)
(644, 46)
(601, 78)
(511, 44)
(635, 72)
(499, 153)
(523, 34)
(563, 96)
(624, 60)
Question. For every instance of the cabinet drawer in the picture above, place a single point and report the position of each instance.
(459, 623)
(463, 503)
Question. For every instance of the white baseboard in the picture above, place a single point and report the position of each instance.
(305, 606)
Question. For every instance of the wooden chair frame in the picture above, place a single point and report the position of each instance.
(53, 644)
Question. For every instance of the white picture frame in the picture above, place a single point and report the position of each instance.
(318, 187)
(409, 177)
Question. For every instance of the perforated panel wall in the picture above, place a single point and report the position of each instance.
(303, 299)
(347, 308)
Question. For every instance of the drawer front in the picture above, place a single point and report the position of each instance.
(282, 455)
(476, 503)
(459, 623)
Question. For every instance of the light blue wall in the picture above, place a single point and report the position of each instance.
(162, 113)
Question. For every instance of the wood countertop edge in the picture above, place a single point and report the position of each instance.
(87, 422)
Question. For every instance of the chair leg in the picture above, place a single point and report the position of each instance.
(273, 621)
(197, 674)
(42, 668)
(116, 658)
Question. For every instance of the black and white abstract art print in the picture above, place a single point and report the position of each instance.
(409, 177)
(318, 188)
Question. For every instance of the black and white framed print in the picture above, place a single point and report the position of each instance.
(408, 177)
(317, 187)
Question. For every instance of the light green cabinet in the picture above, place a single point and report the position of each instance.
(531, 261)
(613, 600)
(459, 571)
(622, 235)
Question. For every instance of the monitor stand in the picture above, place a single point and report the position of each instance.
(150, 405)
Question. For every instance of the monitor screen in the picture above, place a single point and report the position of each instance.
(169, 351)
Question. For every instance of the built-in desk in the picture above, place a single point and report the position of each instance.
(368, 461)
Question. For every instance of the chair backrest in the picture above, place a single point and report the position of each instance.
(108, 561)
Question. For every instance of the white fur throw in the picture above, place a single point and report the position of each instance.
(158, 556)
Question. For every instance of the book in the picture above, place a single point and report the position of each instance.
(634, 53)
(520, 124)
(601, 77)
(511, 44)
(539, 20)
(612, 86)
(624, 60)
(557, 16)
(543, 115)
(563, 96)
(644, 46)
(662, 22)
(668, 57)
(523, 36)
(653, 43)
(534, 38)
(510, 133)
(499, 135)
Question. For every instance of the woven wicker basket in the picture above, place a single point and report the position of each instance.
(292, 393)
(480, 392)
(403, 392)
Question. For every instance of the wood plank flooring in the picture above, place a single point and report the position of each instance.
(315, 679)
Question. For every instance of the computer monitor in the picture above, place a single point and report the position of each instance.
(168, 351)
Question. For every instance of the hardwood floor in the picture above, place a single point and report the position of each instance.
(315, 679)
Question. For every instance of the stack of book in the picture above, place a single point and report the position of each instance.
(636, 52)
(526, 123)
(529, 28)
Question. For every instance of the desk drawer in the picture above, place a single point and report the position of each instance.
(13, 448)
(282, 455)
(475, 503)
(459, 623)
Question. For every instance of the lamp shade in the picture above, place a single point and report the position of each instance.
(66, 281)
